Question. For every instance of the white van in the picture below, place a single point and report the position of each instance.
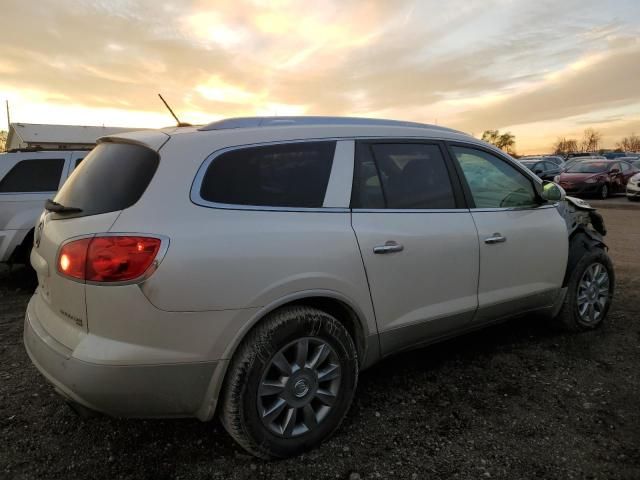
(27, 180)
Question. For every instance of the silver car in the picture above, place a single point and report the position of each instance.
(251, 268)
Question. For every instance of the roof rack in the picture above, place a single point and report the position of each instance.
(253, 122)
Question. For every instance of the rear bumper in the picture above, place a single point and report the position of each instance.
(172, 390)
(9, 241)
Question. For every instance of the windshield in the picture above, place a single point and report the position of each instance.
(588, 167)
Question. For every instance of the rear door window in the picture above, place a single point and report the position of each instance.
(113, 176)
(37, 175)
(402, 176)
(284, 175)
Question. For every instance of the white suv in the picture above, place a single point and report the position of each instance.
(253, 266)
(27, 179)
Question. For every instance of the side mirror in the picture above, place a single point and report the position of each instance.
(552, 192)
(537, 171)
(614, 171)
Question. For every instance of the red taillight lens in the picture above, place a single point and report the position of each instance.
(108, 259)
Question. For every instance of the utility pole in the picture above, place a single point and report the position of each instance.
(8, 116)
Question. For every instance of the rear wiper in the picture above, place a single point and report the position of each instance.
(58, 208)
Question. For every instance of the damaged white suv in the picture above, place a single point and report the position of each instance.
(254, 266)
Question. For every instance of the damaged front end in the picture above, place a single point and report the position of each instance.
(579, 215)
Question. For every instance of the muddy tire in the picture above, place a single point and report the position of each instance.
(290, 384)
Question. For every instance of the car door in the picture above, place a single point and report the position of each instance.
(523, 243)
(418, 241)
(616, 178)
(626, 171)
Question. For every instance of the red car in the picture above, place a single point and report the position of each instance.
(596, 177)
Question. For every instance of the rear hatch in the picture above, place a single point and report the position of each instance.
(111, 178)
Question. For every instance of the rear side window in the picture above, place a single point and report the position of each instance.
(39, 175)
(113, 176)
(402, 176)
(285, 175)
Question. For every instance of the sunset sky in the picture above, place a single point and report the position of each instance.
(540, 68)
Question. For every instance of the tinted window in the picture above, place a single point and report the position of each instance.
(493, 182)
(78, 160)
(404, 176)
(625, 166)
(41, 175)
(113, 176)
(286, 175)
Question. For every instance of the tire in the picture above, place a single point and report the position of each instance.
(258, 365)
(572, 317)
(604, 191)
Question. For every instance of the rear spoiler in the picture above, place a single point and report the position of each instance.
(153, 139)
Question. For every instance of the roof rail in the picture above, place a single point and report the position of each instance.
(253, 122)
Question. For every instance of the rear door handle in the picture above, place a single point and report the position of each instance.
(495, 238)
(388, 247)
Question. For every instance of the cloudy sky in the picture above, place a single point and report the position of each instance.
(537, 68)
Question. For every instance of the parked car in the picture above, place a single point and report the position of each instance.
(544, 169)
(633, 187)
(616, 155)
(27, 179)
(556, 159)
(601, 178)
(252, 267)
(582, 158)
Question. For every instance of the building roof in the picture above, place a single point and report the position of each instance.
(25, 135)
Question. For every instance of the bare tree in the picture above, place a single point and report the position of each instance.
(630, 143)
(3, 140)
(591, 140)
(505, 141)
(564, 146)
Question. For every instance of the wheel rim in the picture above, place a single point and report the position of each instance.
(593, 293)
(605, 191)
(299, 387)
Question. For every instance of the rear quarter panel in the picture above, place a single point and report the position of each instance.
(226, 259)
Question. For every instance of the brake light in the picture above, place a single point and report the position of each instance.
(73, 258)
(108, 258)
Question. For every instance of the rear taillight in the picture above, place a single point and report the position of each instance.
(108, 258)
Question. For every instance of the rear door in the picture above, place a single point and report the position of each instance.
(523, 244)
(112, 178)
(417, 239)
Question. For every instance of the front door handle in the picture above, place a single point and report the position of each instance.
(388, 247)
(495, 238)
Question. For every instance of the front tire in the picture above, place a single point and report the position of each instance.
(589, 292)
(604, 192)
(290, 384)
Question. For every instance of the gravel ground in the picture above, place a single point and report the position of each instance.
(513, 401)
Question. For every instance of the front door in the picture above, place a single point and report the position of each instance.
(418, 242)
(523, 243)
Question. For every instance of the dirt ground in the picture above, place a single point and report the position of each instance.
(514, 401)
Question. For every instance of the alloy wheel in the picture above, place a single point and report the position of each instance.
(299, 387)
(593, 293)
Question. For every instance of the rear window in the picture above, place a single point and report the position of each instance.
(112, 177)
(38, 175)
(285, 175)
